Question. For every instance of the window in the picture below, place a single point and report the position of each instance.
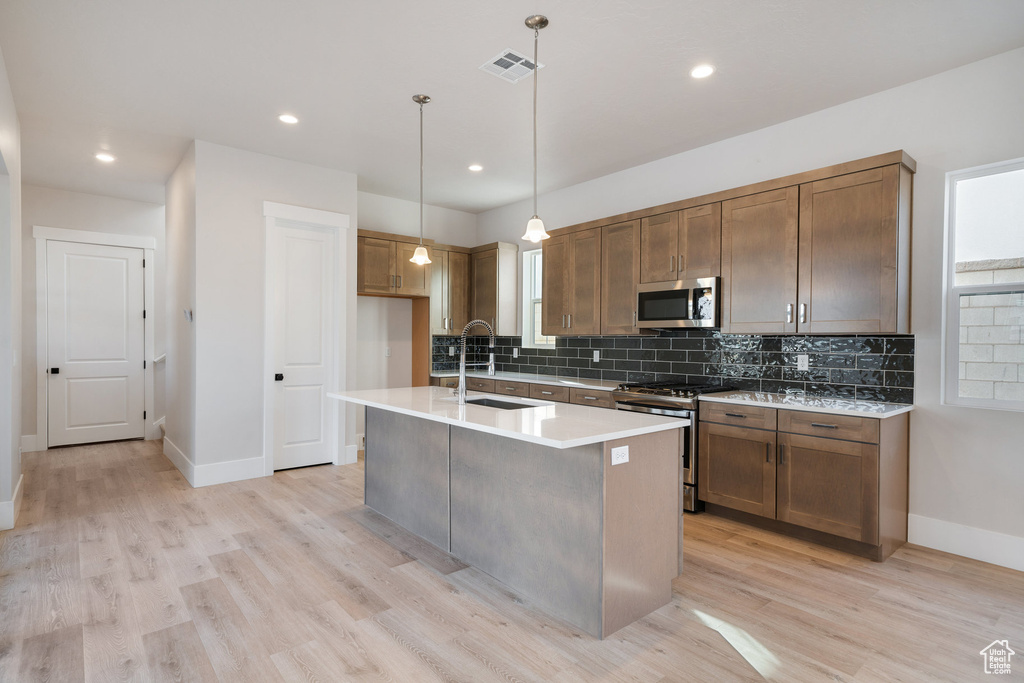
(984, 364)
(532, 289)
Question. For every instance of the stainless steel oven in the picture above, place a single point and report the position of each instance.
(687, 443)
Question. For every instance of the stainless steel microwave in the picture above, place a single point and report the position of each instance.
(683, 303)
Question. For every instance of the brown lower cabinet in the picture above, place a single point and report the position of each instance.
(848, 492)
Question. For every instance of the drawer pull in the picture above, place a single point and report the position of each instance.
(590, 398)
(735, 415)
(510, 388)
(824, 426)
(547, 393)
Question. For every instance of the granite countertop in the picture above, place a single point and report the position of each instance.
(579, 383)
(812, 404)
(558, 425)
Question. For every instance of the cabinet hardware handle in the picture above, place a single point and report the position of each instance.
(590, 398)
(803, 313)
(767, 452)
(789, 313)
(570, 320)
(563, 321)
(782, 454)
(682, 262)
(736, 415)
(392, 280)
(445, 324)
(399, 281)
(824, 426)
(634, 318)
(546, 393)
(672, 263)
(510, 388)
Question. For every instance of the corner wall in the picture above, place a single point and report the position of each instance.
(966, 473)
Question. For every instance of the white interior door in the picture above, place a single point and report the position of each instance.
(95, 343)
(303, 291)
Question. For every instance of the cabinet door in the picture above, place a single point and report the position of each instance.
(700, 242)
(659, 247)
(759, 262)
(737, 468)
(485, 286)
(412, 280)
(458, 287)
(555, 285)
(620, 273)
(849, 253)
(585, 282)
(440, 294)
(829, 485)
(375, 265)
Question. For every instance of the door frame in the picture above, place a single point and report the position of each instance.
(344, 284)
(42, 235)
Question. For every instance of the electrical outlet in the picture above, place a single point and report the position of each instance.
(515, 352)
(620, 454)
(451, 350)
(597, 356)
(802, 362)
(387, 352)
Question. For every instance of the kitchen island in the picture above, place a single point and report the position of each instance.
(528, 493)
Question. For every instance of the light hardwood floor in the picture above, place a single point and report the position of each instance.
(118, 570)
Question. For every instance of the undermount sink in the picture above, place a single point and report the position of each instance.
(500, 405)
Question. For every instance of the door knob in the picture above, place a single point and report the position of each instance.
(278, 377)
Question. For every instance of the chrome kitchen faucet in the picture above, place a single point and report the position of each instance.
(462, 358)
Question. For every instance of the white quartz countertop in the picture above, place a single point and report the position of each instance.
(558, 425)
(598, 384)
(811, 404)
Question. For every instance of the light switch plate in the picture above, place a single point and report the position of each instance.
(620, 455)
(801, 362)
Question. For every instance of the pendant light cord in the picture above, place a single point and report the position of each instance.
(421, 172)
(536, 73)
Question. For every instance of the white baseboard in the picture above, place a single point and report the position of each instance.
(351, 455)
(9, 509)
(232, 470)
(978, 544)
(180, 460)
(30, 443)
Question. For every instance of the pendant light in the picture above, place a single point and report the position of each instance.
(419, 257)
(535, 227)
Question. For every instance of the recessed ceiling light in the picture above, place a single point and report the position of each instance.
(702, 71)
(476, 167)
(287, 118)
(105, 157)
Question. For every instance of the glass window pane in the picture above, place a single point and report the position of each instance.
(538, 279)
(991, 362)
(989, 232)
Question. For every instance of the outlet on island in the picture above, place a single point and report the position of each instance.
(620, 455)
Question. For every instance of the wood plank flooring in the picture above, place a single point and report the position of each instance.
(118, 570)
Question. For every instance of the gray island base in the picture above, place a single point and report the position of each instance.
(592, 543)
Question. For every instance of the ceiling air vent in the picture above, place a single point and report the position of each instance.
(509, 65)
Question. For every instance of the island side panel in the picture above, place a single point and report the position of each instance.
(530, 516)
(641, 528)
(407, 473)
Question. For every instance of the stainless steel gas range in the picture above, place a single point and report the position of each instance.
(674, 399)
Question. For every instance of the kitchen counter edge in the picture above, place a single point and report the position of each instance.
(811, 404)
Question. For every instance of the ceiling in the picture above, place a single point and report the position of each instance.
(143, 78)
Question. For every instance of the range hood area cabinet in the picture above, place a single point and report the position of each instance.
(383, 267)
(571, 287)
(494, 291)
(829, 256)
(682, 245)
(449, 290)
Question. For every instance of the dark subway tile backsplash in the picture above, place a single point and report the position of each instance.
(869, 367)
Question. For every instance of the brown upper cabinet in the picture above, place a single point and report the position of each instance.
(383, 267)
(682, 245)
(620, 272)
(494, 295)
(571, 303)
(449, 291)
(829, 256)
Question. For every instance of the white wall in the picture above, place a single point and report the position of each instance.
(966, 469)
(401, 217)
(231, 186)
(77, 211)
(180, 338)
(10, 304)
(384, 323)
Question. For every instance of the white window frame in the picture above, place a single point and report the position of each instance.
(952, 293)
(528, 302)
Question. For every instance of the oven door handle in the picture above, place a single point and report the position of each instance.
(684, 413)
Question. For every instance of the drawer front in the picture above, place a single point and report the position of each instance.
(590, 397)
(755, 417)
(450, 382)
(478, 384)
(846, 427)
(549, 392)
(511, 388)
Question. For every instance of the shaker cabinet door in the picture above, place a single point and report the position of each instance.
(737, 468)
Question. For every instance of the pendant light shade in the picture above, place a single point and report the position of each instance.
(420, 257)
(535, 227)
